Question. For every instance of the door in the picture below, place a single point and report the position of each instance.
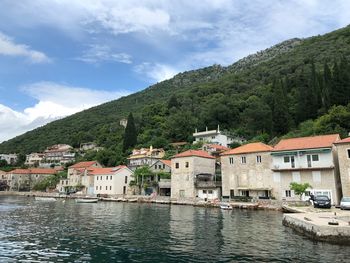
(292, 161)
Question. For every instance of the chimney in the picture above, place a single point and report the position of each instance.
(206, 128)
(218, 128)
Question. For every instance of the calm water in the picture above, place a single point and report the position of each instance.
(32, 231)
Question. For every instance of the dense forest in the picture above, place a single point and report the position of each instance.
(299, 87)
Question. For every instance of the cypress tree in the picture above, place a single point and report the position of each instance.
(280, 115)
(173, 102)
(130, 135)
(326, 87)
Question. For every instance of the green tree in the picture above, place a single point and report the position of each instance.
(130, 135)
(173, 102)
(280, 113)
(299, 189)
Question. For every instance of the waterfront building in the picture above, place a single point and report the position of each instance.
(78, 178)
(59, 154)
(144, 157)
(9, 158)
(215, 137)
(112, 181)
(310, 160)
(25, 179)
(246, 171)
(4, 182)
(162, 170)
(343, 151)
(193, 175)
(34, 159)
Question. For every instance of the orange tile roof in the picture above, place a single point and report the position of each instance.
(33, 171)
(107, 170)
(166, 162)
(249, 148)
(321, 141)
(196, 153)
(346, 140)
(83, 164)
(218, 147)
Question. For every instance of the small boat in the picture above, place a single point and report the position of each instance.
(226, 207)
(46, 199)
(86, 200)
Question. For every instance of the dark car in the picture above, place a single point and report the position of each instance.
(322, 201)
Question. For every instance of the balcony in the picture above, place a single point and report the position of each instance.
(207, 181)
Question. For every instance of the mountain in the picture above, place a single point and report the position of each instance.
(263, 96)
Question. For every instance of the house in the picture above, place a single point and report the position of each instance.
(9, 158)
(343, 151)
(78, 178)
(214, 137)
(89, 146)
(246, 171)
(162, 169)
(25, 179)
(111, 181)
(144, 157)
(310, 160)
(193, 175)
(4, 182)
(59, 154)
(34, 159)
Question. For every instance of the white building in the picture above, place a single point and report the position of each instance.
(144, 157)
(9, 158)
(59, 153)
(214, 137)
(34, 159)
(112, 180)
(307, 160)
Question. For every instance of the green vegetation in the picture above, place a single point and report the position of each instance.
(130, 135)
(298, 87)
(299, 189)
(49, 182)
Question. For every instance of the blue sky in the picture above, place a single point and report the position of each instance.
(59, 57)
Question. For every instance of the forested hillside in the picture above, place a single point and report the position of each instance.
(298, 87)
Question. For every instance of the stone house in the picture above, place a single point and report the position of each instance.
(164, 184)
(4, 182)
(25, 179)
(246, 171)
(193, 176)
(310, 160)
(111, 181)
(78, 178)
(34, 159)
(343, 150)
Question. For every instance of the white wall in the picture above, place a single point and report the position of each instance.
(112, 184)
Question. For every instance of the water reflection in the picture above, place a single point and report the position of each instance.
(120, 232)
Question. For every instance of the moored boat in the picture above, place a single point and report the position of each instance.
(86, 200)
(226, 206)
(46, 199)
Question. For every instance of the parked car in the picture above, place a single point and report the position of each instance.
(322, 201)
(345, 203)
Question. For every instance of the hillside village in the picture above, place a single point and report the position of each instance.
(209, 171)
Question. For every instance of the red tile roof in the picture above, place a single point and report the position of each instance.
(249, 148)
(218, 147)
(33, 171)
(166, 162)
(321, 141)
(107, 170)
(346, 140)
(83, 164)
(195, 153)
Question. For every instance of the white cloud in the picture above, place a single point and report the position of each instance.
(101, 53)
(156, 72)
(9, 48)
(54, 101)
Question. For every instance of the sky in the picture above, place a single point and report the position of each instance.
(60, 57)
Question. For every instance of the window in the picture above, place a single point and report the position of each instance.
(258, 158)
(288, 193)
(204, 191)
(107, 177)
(177, 165)
(213, 137)
(286, 159)
(126, 179)
(96, 187)
(101, 187)
(155, 167)
(231, 160)
(348, 150)
(243, 160)
(308, 157)
(106, 187)
(187, 165)
(97, 178)
(101, 177)
(163, 166)
(159, 166)
(315, 158)
(110, 188)
(210, 192)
